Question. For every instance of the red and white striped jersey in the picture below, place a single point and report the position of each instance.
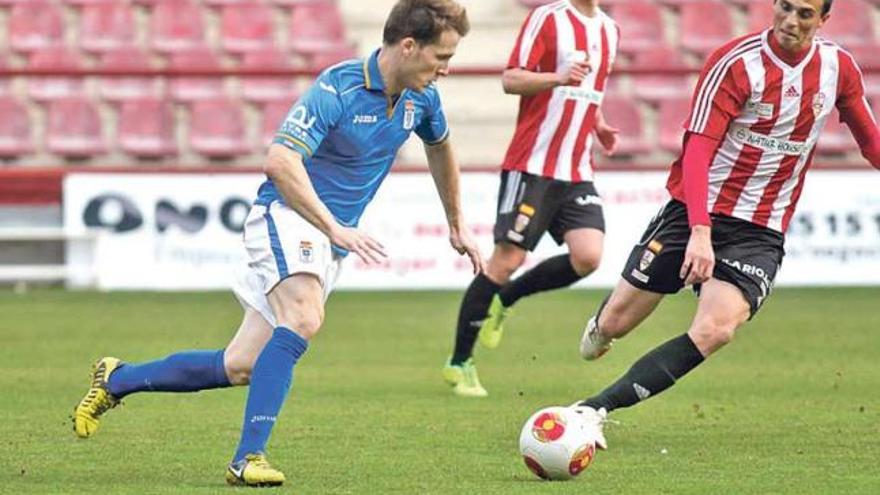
(767, 116)
(554, 128)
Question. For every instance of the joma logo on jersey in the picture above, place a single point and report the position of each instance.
(365, 119)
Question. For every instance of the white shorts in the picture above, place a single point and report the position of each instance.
(280, 243)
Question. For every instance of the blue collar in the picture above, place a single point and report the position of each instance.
(372, 76)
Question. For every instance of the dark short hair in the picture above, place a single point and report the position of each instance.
(424, 21)
(826, 6)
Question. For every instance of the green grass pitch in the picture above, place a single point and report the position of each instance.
(791, 406)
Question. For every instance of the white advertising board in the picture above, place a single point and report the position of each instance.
(182, 231)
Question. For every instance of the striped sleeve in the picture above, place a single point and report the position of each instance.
(531, 44)
(854, 109)
(722, 90)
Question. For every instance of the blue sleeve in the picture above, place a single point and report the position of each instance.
(433, 128)
(311, 118)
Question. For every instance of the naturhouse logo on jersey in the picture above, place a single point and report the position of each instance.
(767, 143)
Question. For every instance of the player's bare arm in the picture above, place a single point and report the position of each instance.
(445, 171)
(285, 167)
(606, 134)
(526, 83)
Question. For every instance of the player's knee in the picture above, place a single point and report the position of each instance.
(304, 319)
(500, 270)
(710, 335)
(585, 263)
(238, 366)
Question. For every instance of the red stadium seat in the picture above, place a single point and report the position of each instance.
(117, 89)
(74, 129)
(34, 25)
(273, 114)
(705, 25)
(673, 113)
(836, 137)
(624, 114)
(195, 88)
(654, 87)
(246, 27)
(760, 16)
(55, 87)
(261, 89)
(322, 60)
(177, 25)
(15, 128)
(146, 128)
(641, 25)
(851, 24)
(316, 27)
(217, 128)
(106, 26)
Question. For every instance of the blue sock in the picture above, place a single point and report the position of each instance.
(187, 371)
(270, 381)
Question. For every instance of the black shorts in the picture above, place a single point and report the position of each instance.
(529, 205)
(746, 255)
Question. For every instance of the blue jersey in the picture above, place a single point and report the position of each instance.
(348, 132)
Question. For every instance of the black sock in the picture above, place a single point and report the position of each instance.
(651, 374)
(550, 274)
(474, 307)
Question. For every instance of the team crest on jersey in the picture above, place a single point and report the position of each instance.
(306, 252)
(409, 114)
(646, 260)
(526, 212)
(818, 104)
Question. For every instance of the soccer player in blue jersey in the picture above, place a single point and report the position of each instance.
(330, 155)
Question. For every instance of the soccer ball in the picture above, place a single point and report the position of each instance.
(557, 444)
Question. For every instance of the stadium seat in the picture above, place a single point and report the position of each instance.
(835, 137)
(672, 115)
(117, 89)
(655, 87)
(322, 60)
(55, 87)
(189, 88)
(34, 25)
(851, 24)
(759, 16)
(246, 27)
(624, 114)
(15, 128)
(177, 25)
(74, 129)
(106, 26)
(217, 128)
(531, 4)
(316, 27)
(271, 118)
(261, 89)
(705, 25)
(641, 25)
(868, 60)
(146, 128)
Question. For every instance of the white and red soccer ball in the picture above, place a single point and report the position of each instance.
(557, 444)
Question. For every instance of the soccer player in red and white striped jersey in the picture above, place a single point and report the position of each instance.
(559, 66)
(759, 106)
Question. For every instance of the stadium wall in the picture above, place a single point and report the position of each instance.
(160, 230)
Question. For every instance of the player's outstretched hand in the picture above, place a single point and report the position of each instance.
(371, 251)
(608, 138)
(463, 243)
(699, 258)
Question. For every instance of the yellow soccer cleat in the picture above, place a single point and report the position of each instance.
(464, 379)
(253, 470)
(493, 326)
(97, 400)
